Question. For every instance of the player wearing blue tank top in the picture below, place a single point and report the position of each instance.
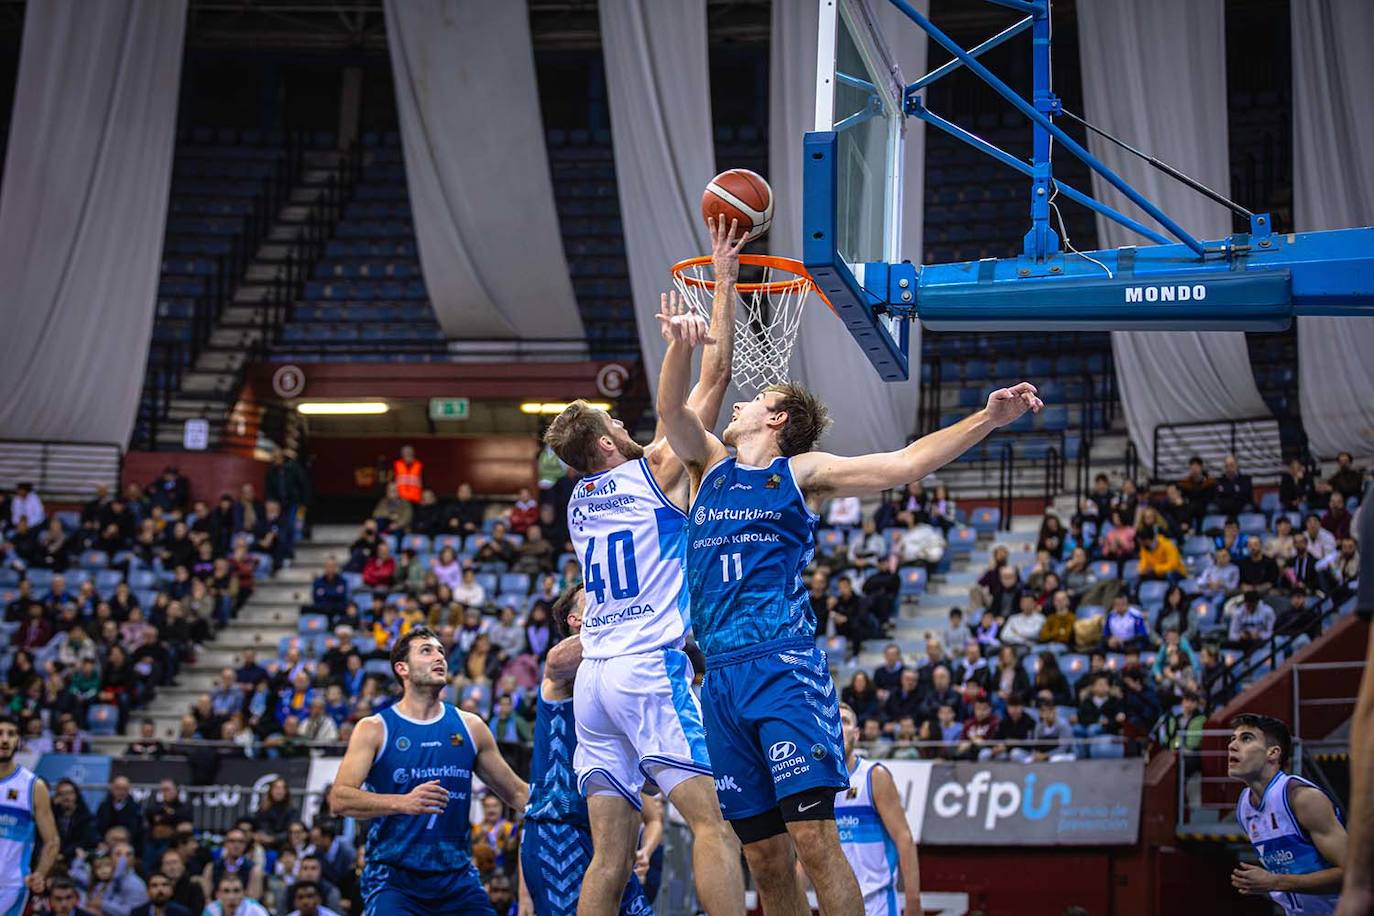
(25, 812)
(1294, 826)
(771, 712)
(409, 769)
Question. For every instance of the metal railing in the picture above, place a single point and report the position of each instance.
(1199, 811)
(1277, 650)
(1255, 441)
(60, 469)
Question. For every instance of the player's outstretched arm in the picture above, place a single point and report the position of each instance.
(889, 805)
(717, 357)
(1315, 813)
(37, 879)
(348, 798)
(694, 446)
(492, 768)
(822, 475)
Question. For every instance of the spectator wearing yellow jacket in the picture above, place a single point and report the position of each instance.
(1159, 556)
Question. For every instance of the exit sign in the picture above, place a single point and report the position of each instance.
(448, 408)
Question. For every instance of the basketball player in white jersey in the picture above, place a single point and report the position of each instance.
(1294, 826)
(636, 716)
(24, 810)
(874, 832)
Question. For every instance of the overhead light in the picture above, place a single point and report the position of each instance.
(551, 407)
(342, 408)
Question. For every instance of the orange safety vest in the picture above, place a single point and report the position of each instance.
(408, 479)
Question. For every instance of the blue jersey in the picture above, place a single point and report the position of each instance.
(553, 784)
(750, 539)
(415, 752)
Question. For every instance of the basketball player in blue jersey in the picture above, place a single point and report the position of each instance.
(556, 845)
(25, 810)
(410, 769)
(772, 716)
(636, 716)
(1295, 827)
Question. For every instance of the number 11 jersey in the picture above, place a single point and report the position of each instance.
(631, 541)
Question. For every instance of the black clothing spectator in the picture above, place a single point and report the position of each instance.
(1258, 572)
(1296, 488)
(122, 812)
(1234, 493)
(1348, 479)
(171, 492)
(329, 594)
(464, 515)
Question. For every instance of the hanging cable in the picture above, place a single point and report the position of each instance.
(1063, 230)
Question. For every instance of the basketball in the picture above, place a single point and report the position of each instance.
(743, 195)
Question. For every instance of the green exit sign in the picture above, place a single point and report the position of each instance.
(448, 408)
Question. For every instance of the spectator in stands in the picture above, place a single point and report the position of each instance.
(903, 702)
(249, 672)
(536, 555)
(1257, 572)
(942, 510)
(1297, 615)
(1058, 625)
(1348, 480)
(941, 692)
(120, 809)
(1252, 623)
(1023, 628)
(1138, 701)
(393, 513)
(1010, 677)
(849, 616)
(227, 699)
(1198, 488)
(1125, 627)
(888, 676)
(946, 727)
(1176, 513)
(75, 825)
(318, 726)
(538, 633)
(379, 572)
(498, 548)
(464, 514)
(1101, 495)
(329, 593)
(844, 512)
(1099, 712)
(1233, 492)
(862, 697)
(881, 593)
(26, 507)
(1296, 490)
(1119, 542)
(988, 631)
(1320, 541)
(1051, 536)
(867, 550)
(1127, 502)
(1159, 557)
(971, 669)
(1013, 730)
(979, 730)
(1005, 594)
(1280, 547)
(233, 899)
(275, 813)
(507, 726)
(524, 513)
(186, 889)
(1182, 732)
(1337, 517)
(1174, 612)
(956, 634)
(1221, 578)
(1340, 569)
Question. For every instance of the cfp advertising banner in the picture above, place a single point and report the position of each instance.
(1077, 803)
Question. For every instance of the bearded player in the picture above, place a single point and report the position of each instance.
(637, 718)
(772, 717)
(25, 809)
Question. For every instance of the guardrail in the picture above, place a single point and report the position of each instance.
(60, 470)
(1255, 441)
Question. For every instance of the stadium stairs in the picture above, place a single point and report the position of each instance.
(269, 617)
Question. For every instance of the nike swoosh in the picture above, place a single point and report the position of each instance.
(802, 809)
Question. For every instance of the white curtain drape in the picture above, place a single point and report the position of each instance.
(82, 214)
(478, 170)
(868, 414)
(658, 83)
(1333, 188)
(1154, 74)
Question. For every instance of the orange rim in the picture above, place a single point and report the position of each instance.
(800, 276)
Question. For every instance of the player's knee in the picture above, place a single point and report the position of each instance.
(770, 860)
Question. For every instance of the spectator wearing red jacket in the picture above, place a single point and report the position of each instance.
(524, 513)
(380, 570)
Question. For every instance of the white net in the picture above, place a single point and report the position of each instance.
(767, 317)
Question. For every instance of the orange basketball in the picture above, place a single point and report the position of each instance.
(743, 195)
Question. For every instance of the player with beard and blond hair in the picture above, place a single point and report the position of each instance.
(410, 769)
(636, 716)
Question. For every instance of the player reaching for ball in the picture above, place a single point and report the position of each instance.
(636, 716)
(772, 715)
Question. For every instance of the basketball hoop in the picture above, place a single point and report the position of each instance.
(769, 314)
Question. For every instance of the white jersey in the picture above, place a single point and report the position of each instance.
(866, 842)
(16, 835)
(1283, 845)
(631, 541)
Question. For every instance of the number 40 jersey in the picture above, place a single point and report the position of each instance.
(631, 542)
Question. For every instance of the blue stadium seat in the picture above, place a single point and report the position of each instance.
(515, 584)
(1152, 594)
(75, 577)
(489, 582)
(1090, 610)
(1073, 665)
(1214, 521)
(1252, 523)
(985, 519)
(70, 520)
(107, 579)
(102, 719)
(1207, 615)
(1197, 546)
(1269, 502)
(1054, 417)
(95, 559)
(913, 580)
(378, 666)
(1130, 571)
(416, 542)
(961, 540)
(311, 624)
(1104, 569)
(41, 578)
(830, 540)
(448, 540)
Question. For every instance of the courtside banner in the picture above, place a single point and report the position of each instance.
(1078, 803)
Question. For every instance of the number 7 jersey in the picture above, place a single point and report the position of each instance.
(631, 541)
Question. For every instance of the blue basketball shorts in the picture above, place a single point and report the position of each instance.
(553, 859)
(389, 889)
(772, 717)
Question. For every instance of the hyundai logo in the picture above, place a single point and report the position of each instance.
(781, 751)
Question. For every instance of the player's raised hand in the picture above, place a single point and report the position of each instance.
(1005, 405)
(675, 322)
(726, 243)
(426, 798)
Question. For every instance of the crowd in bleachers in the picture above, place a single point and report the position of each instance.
(1126, 623)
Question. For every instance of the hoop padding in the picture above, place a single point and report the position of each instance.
(767, 318)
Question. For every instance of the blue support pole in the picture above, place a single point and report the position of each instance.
(916, 110)
(1041, 241)
(1024, 6)
(945, 69)
(1059, 135)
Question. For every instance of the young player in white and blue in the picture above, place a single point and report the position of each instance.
(25, 815)
(556, 843)
(1295, 827)
(772, 720)
(410, 769)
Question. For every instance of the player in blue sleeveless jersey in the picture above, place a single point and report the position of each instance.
(636, 716)
(409, 768)
(771, 710)
(1295, 827)
(556, 845)
(25, 812)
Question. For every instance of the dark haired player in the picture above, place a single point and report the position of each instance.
(556, 846)
(1294, 826)
(24, 809)
(410, 767)
(771, 712)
